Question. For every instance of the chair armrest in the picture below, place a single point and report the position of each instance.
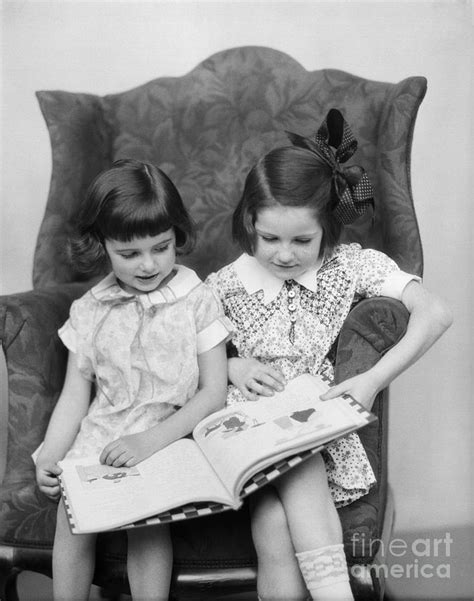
(372, 327)
(33, 360)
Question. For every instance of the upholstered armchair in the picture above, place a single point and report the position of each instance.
(205, 129)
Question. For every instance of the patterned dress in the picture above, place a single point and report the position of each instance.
(141, 353)
(292, 325)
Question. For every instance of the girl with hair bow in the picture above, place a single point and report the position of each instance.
(288, 296)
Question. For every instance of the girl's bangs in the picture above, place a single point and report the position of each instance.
(128, 222)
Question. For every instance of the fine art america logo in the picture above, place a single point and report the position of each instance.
(420, 558)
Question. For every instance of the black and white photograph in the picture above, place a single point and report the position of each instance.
(236, 300)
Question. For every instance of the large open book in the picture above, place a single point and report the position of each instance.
(232, 453)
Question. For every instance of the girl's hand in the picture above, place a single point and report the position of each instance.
(254, 378)
(47, 479)
(127, 451)
(362, 388)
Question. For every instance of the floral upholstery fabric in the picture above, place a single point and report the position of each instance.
(207, 129)
(36, 361)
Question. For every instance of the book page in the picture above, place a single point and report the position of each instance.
(102, 497)
(244, 438)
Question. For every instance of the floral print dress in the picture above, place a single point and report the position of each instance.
(141, 353)
(293, 324)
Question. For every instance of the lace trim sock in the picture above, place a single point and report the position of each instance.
(325, 568)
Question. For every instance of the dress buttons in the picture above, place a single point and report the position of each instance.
(291, 309)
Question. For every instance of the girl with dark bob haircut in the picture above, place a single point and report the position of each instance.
(146, 362)
(289, 177)
(130, 199)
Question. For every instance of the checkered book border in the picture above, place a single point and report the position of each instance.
(70, 517)
(195, 510)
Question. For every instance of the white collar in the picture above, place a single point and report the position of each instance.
(254, 277)
(180, 285)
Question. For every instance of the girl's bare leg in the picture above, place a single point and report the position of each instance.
(312, 516)
(315, 530)
(73, 561)
(278, 575)
(149, 563)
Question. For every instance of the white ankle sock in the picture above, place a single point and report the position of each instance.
(325, 573)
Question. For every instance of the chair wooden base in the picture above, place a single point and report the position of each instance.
(188, 584)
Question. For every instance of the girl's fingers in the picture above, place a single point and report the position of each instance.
(115, 454)
(248, 394)
(117, 457)
(108, 451)
(334, 392)
(277, 376)
(51, 470)
(121, 459)
(49, 486)
(260, 389)
(50, 491)
(106, 456)
(266, 372)
(110, 458)
(49, 481)
(54, 469)
(270, 382)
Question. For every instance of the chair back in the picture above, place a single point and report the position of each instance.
(207, 129)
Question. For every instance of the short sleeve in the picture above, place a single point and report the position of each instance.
(379, 275)
(68, 336)
(75, 338)
(212, 325)
(395, 283)
(212, 281)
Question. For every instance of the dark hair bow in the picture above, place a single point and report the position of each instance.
(352, 186)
